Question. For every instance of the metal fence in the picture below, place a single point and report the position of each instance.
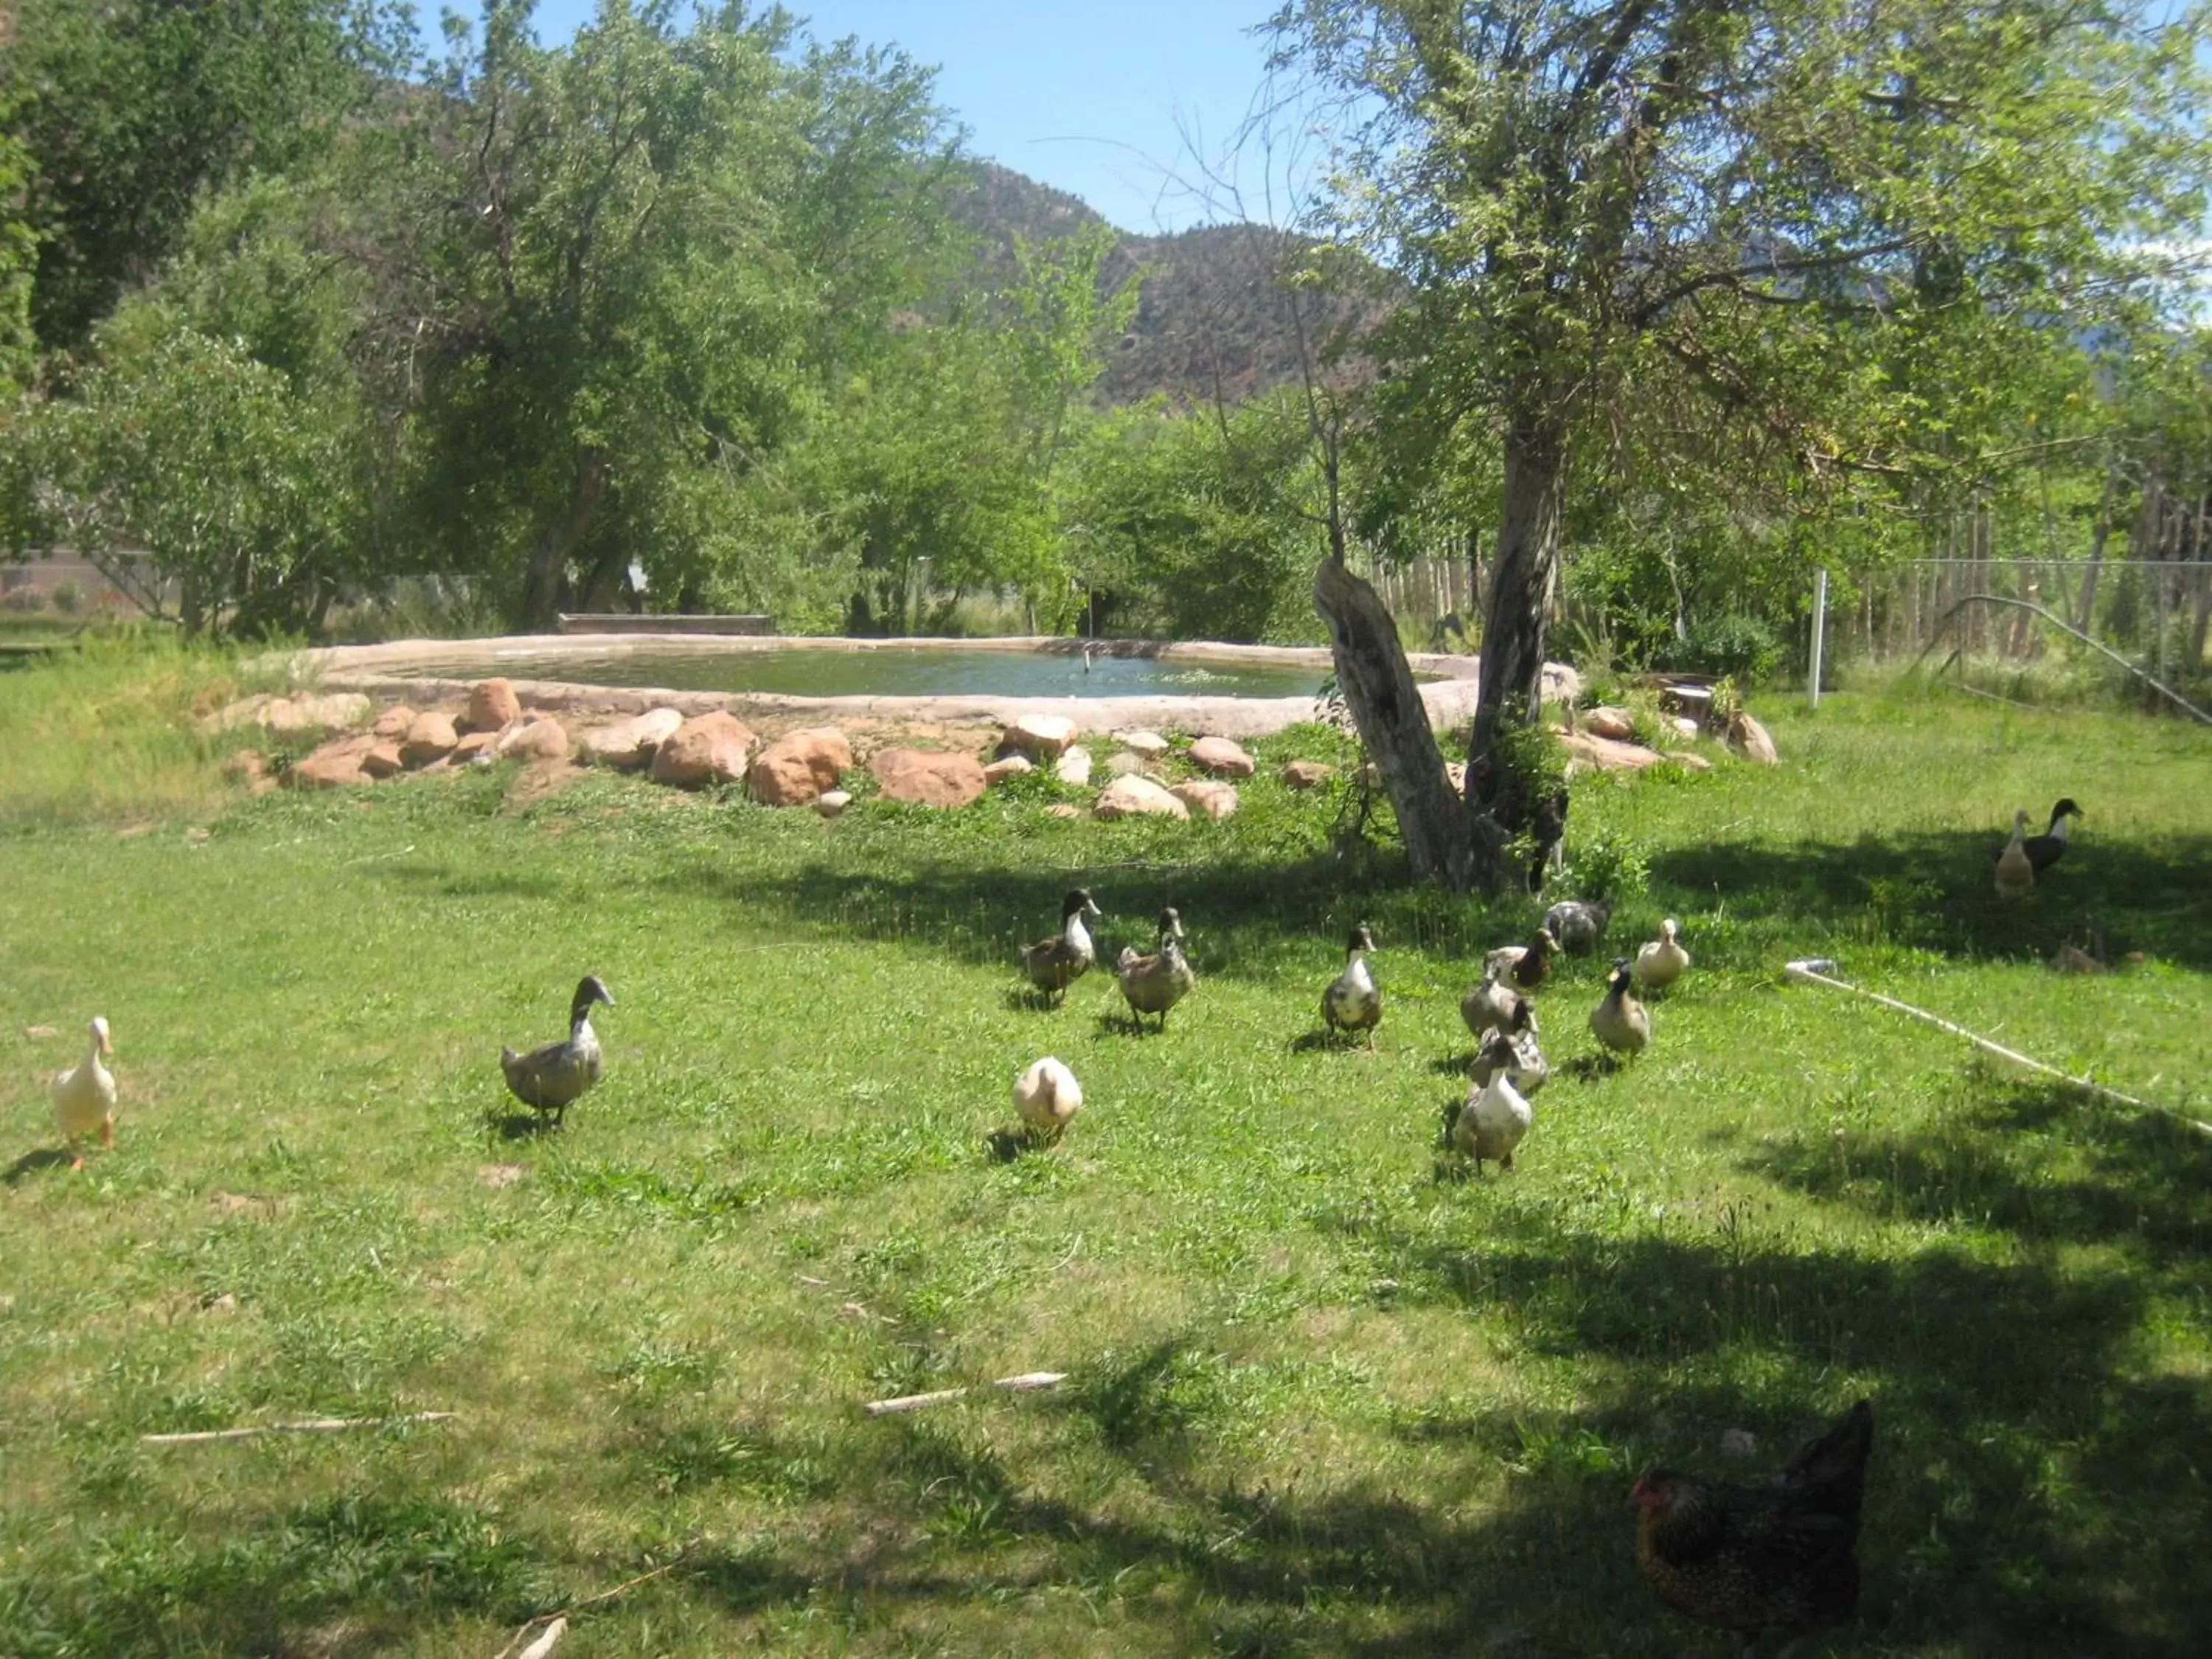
(2154, 610)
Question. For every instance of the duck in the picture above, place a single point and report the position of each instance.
(1497, 1113)
(1522, 1057)
(549, 1079)
(2046, 849)
(1577, 924)
(1526, 965)
(1155, 983)
(84, 1094)
(1057, 961)
(1621, 1023)
(1490, 1006)
(1045, 1096)
(1354, 1002)
(2016, 870)
(1661, 962)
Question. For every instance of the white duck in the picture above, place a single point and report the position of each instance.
(1661, 962)
(1047, 1095)
(1522, 1060)
(2016, 870)
(1497, 1114)
(84, 1096)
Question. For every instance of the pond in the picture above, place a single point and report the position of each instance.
(885, 671)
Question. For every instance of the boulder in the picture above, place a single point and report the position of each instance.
(1210, 796)
(1074, 767)
(1607, 721)
(634, 743)
(1151, 744)
(705, 750)
(1125, 763)
(335, 763)
(1306, 775)
(430, 737)
(383, 760)
(492, 704)
(249, 768)
(1592, 751)
(477, 745)
(927, 777)
(830, 802)
(1221, 757)
(1686, 727)
(543, 738)
(232, 715)
(393, 722)
(1007, 766)
(1750, 739)
(292, 717)
(799, 766)
(1131, 795)
(1041, 737)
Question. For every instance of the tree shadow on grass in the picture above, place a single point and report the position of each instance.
(1935, 891)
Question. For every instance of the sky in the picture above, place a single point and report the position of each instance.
(1094, 98)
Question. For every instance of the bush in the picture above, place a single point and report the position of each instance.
(68, 598)
(1726, 642)
(23, 599)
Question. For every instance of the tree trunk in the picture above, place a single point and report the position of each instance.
(548, 560)
(1378, 688)
(1524, 568)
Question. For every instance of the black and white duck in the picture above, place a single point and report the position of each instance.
(551, 1078)
(1521, 1054)
(1354, 1002)
(1155, 983)
(2046, 849)
(1056, 962)
(1497, 1114)
(1526, 965)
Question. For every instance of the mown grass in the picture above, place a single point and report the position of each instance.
(1318, 1402)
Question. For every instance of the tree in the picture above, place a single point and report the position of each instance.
(1589, 199)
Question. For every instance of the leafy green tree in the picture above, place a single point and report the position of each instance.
(130, 108)
(19, 247)
(1585, 195)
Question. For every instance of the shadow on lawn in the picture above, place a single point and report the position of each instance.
(1935, 891)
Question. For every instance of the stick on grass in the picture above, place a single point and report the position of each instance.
(314, 1425)
(911, 1402)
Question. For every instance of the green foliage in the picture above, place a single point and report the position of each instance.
(1728, 642)
(1609, 867)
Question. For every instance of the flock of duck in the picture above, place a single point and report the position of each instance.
(1509, 1064)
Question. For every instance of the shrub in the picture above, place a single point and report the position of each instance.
(1727, 643)
(68, 596)
(23, 599)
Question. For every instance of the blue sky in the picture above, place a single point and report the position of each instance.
(1092, 98)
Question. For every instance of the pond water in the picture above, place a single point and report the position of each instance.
(890, 672)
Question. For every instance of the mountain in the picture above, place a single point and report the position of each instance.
(1211, 320)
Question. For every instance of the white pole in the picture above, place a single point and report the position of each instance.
(1819, 632)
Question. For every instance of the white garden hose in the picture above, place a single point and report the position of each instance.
(1821, 971)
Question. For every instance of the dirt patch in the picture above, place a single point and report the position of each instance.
(539, 780)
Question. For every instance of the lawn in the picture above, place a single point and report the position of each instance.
(1318, 1401)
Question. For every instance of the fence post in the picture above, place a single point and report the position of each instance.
(1819, 632)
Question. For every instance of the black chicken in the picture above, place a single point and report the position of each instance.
(1777, 1559)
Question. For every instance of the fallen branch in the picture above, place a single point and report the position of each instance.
(1819, 970)
(1944, 621)
(911, 1402)
(557, 1624)
(315, 1426)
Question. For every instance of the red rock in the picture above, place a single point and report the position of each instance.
(475, 743)
(542, 738)
(383, 760)
(1305, 774)
(430, 737)
(1210, 796)
(1041, 737)
(1131, 795)
(799, 766)
(927, 778)
(1595, 750)
(1605, 721)
(335, 763)
(634, 742)
(1221, 757)
(492, 704)
(705, 750)
(1750, 739)
(393, 721)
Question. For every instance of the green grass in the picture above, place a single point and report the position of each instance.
(1318, 1401)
